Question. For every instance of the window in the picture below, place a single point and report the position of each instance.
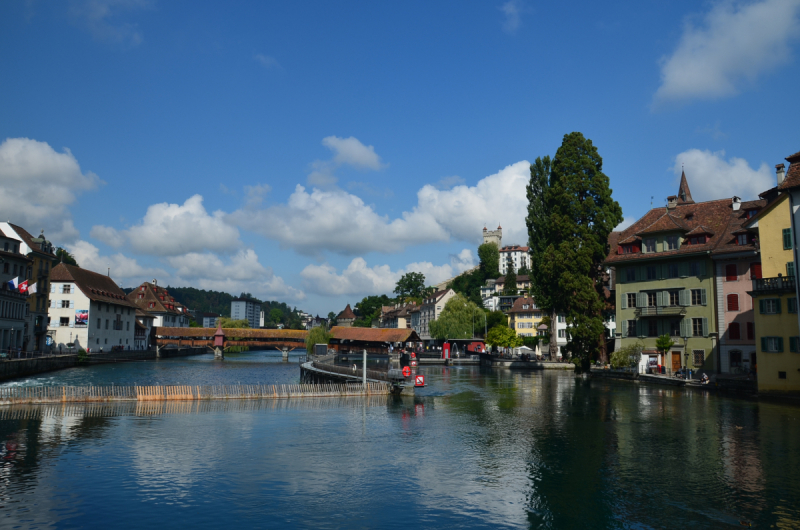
(751, 213)
(652, 273)
(672, 270)
(698, 297)
(63, 321)
(67, 289)
(751, 331)
(672, 242)
(525, 306)
(674, 298)
(787, 238)
(694, 268)
(650, 245)
(699, 357)
(64, 304)
(793, 344)
(755, 271)
(733, 302)
(127, 326)
(769, 306)
(735, 358)
(631, 299)
(562, 333)
(99, 325)
(675, 328)
(630, 274)
(697, 327)
(562, 318)
(772, 344)
(731, 274)
(652, 328)
(106, 323)
(781, 375)
(630, 327)
(742, 239)
(733, 331)
(791, 305)
(98, 341)
(697, 240)
(651, 299)
(106, 341)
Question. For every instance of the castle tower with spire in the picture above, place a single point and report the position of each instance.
(684, 194)
(493, 236)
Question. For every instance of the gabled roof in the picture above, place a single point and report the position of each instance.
(29, 239)
(97, 287)
(152, 293)
(374, 334)
(665, 223)
(522, 278)
(347, 314)
(792, 179)
(699, 230)
(684, 194)
(519, 302)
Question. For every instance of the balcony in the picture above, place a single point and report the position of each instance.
(781, 284)
(655, 311)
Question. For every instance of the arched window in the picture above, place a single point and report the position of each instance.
(733, 302)
(731, 275)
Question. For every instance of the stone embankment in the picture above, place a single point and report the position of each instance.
(736, 385)
(15, 368)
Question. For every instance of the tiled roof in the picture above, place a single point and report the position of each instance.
(513, 248)
(792, 179)
(97, 287)
(374, 334)
(152, 294)
(683, 191)
(728, 241)
(346, 314)
(519, 302)
(665, 223)
(29, 239)
(522, 278)
(699, 230)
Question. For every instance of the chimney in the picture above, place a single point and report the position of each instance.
(781, 173)
(672, 202)
(736, 203)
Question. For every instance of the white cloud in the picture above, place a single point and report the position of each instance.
(446, 183)
(710, 176)
(266, 61)
(736, 43)
(626, 222)
(337, 221)
(120, 266)
(512, 10)
(100, 17)
(38, 185)
(174, 229)
(360, 279)
(241, 273)
(347, 151)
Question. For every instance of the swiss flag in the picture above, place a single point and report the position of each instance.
(23, 287)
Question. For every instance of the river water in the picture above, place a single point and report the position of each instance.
(477, 448)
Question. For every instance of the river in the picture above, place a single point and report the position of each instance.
(476, 448)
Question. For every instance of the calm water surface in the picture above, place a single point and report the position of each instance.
(477, 448)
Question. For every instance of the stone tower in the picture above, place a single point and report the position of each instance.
(493, 236)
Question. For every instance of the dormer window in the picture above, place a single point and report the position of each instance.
(689, 216)
(526, 306)
(751, 213)
(650, 245)
(141, 288)
(671, 242)
(627, 249)
(744, 239)
(698, 240)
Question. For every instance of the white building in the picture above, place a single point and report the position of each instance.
(246, 309)
(430, 310)
(88, 310)
(513, 255)
(167, 312)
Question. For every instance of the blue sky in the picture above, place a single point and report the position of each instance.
(312, 152)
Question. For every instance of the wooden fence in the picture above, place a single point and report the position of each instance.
(89, 394)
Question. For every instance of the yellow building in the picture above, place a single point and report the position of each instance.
(524, 317)
(775, 298)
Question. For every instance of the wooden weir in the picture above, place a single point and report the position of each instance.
(88, 394)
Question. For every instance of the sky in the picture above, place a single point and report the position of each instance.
(314, 152)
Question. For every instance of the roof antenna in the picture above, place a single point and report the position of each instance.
(651, 202)
(109, 272)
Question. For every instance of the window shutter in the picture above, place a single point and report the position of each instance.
(641, 274)
(701, 269)
(683, 327)
(787, 238)
(684, 297)
(703, 300)
(624, 328)
(705, 327)
(72, 304)
(641, 299)
(778, 306)
(52, 288)
(793, 344)
(761, 306)
(790, 269)
(623, 302)
(620, 275)
(763, 344)
(662, 298)
(662, 271)
(779, 340)
(52, 304)
(683, 269)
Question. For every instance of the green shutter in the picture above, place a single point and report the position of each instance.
(660, 299)
(763, 344)
(683, 269)
(761, 306)
(683, 327)
(787, 238)
(685, 297)
(641, 299)
(790, 269)
(778, 306)
(780, 344)
(623, 301)
(703, 300)
(701, 269)
(705, 327)
(624, 328)
(793, 344)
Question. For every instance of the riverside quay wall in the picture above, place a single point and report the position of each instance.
(14, 368)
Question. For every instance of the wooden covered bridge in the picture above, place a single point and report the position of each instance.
(254, 338)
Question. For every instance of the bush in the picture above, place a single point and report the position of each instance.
(627, 356)
(83, 356)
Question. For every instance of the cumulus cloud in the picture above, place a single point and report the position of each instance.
(626, 222)
(337, 221)
(242, 272)
(347, 151)
(39, 184)
(512, 10)
(102, 19)
(120, 266)
(266, 61)
(708, 173)
(360, 279)
(174, 229)
(736, 43)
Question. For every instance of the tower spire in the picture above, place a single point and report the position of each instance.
(684, 193)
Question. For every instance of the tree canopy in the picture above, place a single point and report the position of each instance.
(503, 336)
(459, 318)
(489, 255)
(570, 214)
(226, 322)
(510, 284)
(369, 308)
(317, 335)
(411, 284)
(62, 256)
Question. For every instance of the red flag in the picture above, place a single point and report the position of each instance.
(23, 287)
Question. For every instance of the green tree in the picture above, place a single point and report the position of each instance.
(627, 356)
(411, 284)
(369, 308)
(510, 285)
(496, 318)
(664, 343)
(579, 213)
(318, 335)
(276, 315)
(458, 319)
(489, 255)
(193, 324)
(331, 319)
(503, 336)
(229, 323)
(469, 285)
(62, 256)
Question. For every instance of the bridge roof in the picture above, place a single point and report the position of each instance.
(375, 334)
(243, 333)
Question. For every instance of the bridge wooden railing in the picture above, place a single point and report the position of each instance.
(72, 394)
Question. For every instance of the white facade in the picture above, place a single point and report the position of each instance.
(430, 310)
(513, 255)
(75, 319)
(247, 310)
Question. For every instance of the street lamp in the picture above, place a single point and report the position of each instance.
(686, 353)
